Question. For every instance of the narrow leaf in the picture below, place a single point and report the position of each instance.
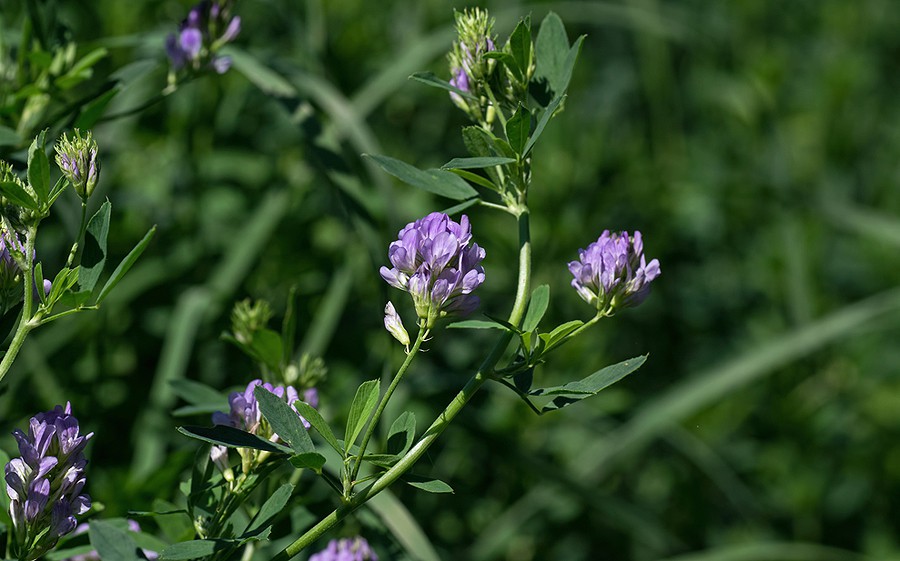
(17, 195)
(126, 264)
(363, 404)
(435, 181)
(477, 179)
(433, 486)
(94, 256)
(260, 75)
(401, 434)
(285, 421)
(537, 306)
(520, 45)
(517, 129)
(233, 438)
(429, 79)
(456, 209)
(270, 509)
(591, 385)
(560, 332)
(474, 163)
(542, 122)
(196, 393)
(39, 168)
(318, 422)
(308, 460)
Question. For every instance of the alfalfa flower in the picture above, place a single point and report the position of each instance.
(346, 549)
(12, 260)
(77, 159)
(244, 414)
(207, 28)
(435, 260)
(45, 484)
(613, 272)
(469, 68)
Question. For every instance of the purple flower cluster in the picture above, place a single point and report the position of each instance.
(11, 273)
(45, 484)
(347, 549)
(435, 260)
(207, 28)
(612, 272)
(245, 413)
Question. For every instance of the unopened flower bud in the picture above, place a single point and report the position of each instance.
(77, 159)
(394, 325)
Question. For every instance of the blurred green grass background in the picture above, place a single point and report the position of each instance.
(754, 143)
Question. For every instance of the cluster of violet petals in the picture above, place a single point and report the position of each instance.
(199, 29)
(245, 414)
(45, 484)
(435, 260)
(612, 272)
(347, 549)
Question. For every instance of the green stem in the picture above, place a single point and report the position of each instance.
(449, 413)
(384, 400)
(26, 323)
(81, 230)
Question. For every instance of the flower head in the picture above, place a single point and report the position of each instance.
(77, 159)
(468, 66)
(612, 272)
(45, 484)
(347, 549)
(394, 325)
(204, 31)
(436, 261)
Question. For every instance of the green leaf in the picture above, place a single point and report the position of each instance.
(318, 422)
(17, 195)
(39, 282)
(193, 549)
(401, 434)
(542, 122)
(94, 256)
(435, 181)
(112, 542)
(260, 75)
(429, 79)
(520, 45)
(537, 306)
(477, 179)
(233, 438)
(551, 51)
(591, 385)
(126, 264)
(269, 510)
(559, 333)
(507, 60)
(284, 420)
(476, 324)
(473, 163)
(267, 348)
(39, 169)
(432, 486)
(517, 129)
(479, 142)
(65, 279)
(308, 460)
(363, 404)
(504, 324)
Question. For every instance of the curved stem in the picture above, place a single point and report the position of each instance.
(453, 408)
(25, 323)
(373, 422)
